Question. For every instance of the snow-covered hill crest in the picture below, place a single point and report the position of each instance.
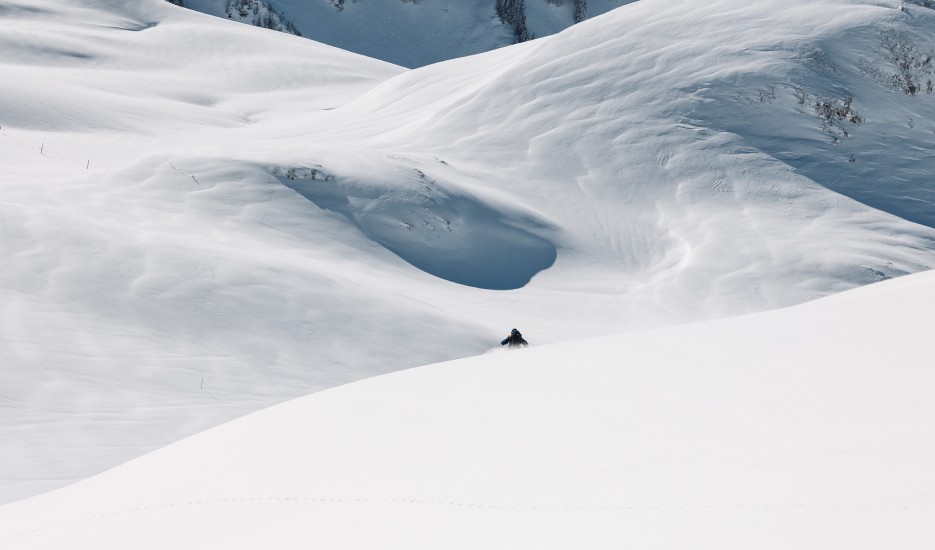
(720, 434)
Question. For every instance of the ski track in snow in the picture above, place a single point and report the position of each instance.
(266, 501)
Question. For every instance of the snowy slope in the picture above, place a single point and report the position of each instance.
(808, 427)
(201, 219)
(118, 266)
(411, 33)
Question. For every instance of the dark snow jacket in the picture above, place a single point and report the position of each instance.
(514, 341)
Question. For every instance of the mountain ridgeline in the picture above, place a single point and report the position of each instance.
(411, 33)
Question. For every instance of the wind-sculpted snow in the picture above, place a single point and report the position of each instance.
(201, 218)
(448, 232)
(836, 114)
(637, 134)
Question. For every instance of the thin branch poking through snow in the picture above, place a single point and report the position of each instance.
(206, 391)
(185, 173)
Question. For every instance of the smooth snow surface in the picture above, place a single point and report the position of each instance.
(200, 218)
(808, 428)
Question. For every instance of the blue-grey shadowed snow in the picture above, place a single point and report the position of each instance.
(18, 10)
(408, 33)
(850, 121)
(447, 234)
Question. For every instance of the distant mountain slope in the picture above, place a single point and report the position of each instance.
(202, 218)
(411, 33)
(807, 428)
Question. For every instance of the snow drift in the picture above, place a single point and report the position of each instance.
(808, 427)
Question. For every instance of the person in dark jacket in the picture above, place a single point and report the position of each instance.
(514, 340)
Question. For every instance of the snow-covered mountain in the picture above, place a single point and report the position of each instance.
(808, 427)
(411, 33)
(202, 218)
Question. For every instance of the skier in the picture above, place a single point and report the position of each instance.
(514, 340)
